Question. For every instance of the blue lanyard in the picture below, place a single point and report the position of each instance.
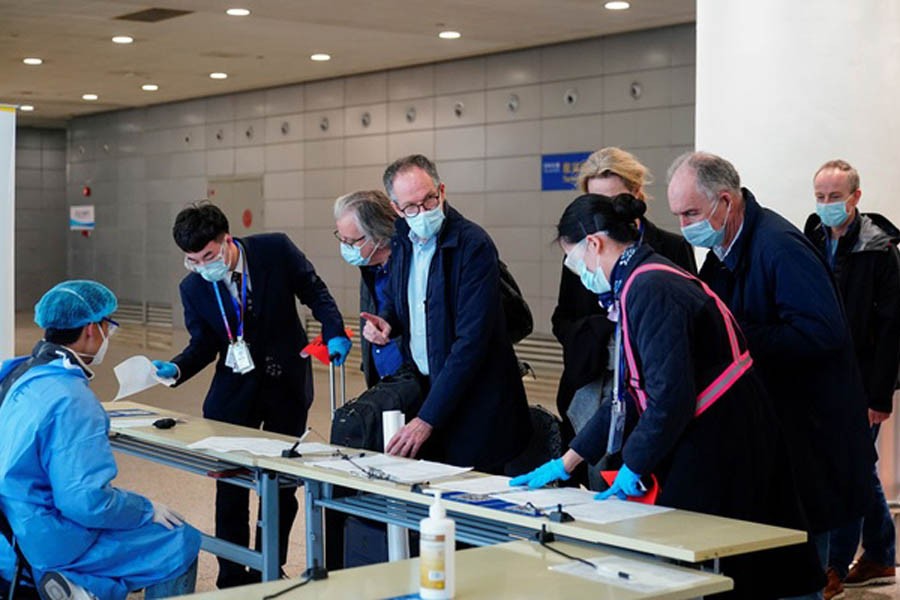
(238, 309)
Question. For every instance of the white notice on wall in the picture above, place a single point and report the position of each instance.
(81, 217)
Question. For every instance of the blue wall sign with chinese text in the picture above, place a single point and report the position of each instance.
(560, 171)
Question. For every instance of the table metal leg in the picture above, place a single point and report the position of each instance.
(315, 539)
(268, 498)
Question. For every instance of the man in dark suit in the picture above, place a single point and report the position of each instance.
(239, 306)
(443, 302)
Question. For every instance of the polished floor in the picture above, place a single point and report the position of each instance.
(192, 496)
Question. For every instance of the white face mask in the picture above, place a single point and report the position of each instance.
(97, 358)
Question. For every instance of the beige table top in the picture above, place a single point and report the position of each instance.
(675, 534)
(510, 571)
(188, 430)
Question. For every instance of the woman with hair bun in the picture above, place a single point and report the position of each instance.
(579, 323)
(689, 415)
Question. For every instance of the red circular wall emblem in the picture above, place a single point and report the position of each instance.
(247, 218)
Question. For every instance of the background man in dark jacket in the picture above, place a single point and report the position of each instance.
(272, 387)
(779, 289)
(365, 226)
(861, 250)
(443, 301)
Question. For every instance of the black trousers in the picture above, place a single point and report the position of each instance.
(276, 407)
(232, 524)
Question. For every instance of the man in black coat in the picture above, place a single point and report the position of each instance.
(779, 289)
(240, 306)
(444, 305)
(861, 250)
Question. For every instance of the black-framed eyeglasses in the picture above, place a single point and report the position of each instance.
(111, 325)
(344, 240)
(427, 203)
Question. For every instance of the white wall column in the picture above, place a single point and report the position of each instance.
(784, 86)
(7, 230)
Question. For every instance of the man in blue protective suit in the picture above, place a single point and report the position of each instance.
(83, 537)
(240, 308)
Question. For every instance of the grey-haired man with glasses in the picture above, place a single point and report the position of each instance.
(443, 301)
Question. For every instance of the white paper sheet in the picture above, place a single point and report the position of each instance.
(612, 510)
(396, 469)
(256, 445)
(137, 374)
(492, 484)
(632, 574)
(120, 422)
(549, 497)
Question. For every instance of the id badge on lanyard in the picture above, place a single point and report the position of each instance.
(617, 408)
(241, 361)
(238, 357)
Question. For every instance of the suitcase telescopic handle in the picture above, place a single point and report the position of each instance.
(332, 387)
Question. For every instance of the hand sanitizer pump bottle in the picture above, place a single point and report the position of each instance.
(437, 547)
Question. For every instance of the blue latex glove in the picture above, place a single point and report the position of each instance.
(338, 349)
(544, 474)
(165, 369)
(627, 483)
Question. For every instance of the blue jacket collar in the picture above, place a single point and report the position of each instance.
(752, 212)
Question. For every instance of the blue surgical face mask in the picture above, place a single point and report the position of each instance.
(427, 223)
(213, 270)
(353, 254)
(596, 281)
(832, 214)
(702, 234)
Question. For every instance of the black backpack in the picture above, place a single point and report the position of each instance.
(519, 322)
(357, 424)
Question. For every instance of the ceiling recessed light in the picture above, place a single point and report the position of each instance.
(449, 35)
(320, 57)
(90, 97)
(218, 75)
(149, 87)
(617, 5)
(26, 108)
(32, 61)
(122, 39)
(237, 12)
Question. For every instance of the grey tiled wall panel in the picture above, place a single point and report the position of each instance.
(486, 120)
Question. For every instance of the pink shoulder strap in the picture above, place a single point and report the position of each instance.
(741, 360)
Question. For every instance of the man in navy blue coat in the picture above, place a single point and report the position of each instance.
(240, 306)
(443, 301)
(779, 289)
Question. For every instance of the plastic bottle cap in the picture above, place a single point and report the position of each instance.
(436, 510)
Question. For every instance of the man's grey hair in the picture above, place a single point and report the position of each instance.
(843, 166)
(714, 173)
(404, 164)
(372, 211)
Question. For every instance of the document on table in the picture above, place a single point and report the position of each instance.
(632, 574)
(137, 374)
(120, 422)
(129, 412)
(256, 445)
(612, 510)
(492, 484)
(392, 468)
(549, 497)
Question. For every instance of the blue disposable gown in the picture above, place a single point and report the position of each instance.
(56, 466)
